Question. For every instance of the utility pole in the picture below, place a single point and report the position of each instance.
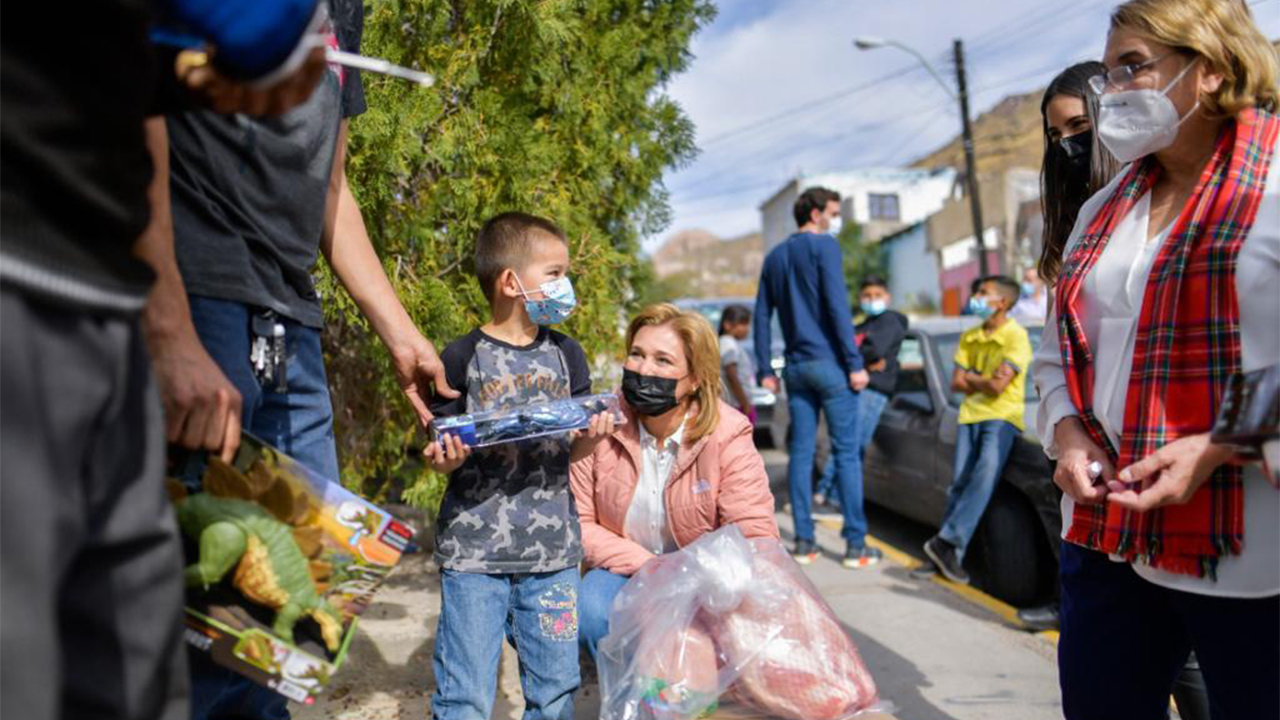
(971, 168)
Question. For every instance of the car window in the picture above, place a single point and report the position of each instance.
(947, 344)
(912, 389)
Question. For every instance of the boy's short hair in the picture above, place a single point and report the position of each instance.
(814, 198)
(505, 243)
(1008, 287)
(873, 281)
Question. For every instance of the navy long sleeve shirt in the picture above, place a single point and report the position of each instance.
(803, 280)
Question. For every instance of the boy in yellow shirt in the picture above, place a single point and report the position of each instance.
(991, 367)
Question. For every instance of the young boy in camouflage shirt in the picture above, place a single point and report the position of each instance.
(507, 539)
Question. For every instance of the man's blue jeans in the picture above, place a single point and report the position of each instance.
(981, 450)
(299, 421)
(822, 386)
(599, 588)
(870, 407)
(536, 612)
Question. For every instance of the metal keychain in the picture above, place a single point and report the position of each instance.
(268, 354)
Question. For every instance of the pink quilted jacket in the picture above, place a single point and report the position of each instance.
(716, 481)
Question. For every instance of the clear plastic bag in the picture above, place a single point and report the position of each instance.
(492, 427)
(728, 620)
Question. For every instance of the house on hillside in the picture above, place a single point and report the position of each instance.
(950, 234)
(881, 200)
(912, 269)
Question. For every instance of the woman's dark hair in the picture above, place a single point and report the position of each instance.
(733, 315)
(1062, 192)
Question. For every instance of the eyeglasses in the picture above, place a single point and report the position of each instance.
(1122, 76)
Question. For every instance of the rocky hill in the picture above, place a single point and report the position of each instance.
(1006, 136)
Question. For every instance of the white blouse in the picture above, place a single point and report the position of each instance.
(1111, 302)
(646, 521)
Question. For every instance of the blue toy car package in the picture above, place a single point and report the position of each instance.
(493, 427)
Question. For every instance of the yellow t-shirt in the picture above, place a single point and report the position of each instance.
(984, 353)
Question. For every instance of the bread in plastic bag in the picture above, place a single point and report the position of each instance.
(723, 619)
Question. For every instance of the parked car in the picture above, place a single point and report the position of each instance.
(771, 411)
(909, 467)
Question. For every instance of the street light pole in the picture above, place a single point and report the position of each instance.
(971, 167)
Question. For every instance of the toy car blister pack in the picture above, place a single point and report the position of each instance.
(525, 422)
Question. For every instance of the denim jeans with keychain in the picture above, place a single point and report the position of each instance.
(296, 416)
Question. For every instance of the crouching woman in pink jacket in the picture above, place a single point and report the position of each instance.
(681, 466)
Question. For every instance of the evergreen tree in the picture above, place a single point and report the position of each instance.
(555, 108)
(860, 259)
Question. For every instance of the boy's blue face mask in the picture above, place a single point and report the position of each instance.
(874, 307)
(979, 306)
(555, 306)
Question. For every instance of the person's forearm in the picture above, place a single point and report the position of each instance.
(346, 245)
(167, 316)
(353, 259)
(735, 387)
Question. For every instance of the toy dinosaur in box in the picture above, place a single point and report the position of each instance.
(270, 568)
(272, 548)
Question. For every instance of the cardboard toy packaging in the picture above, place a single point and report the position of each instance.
(280, 563)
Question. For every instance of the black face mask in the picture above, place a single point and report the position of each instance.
(1077, 150)
(648, 394)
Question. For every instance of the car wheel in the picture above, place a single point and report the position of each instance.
(1007, 562)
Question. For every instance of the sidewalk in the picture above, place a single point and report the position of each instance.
(933, 655)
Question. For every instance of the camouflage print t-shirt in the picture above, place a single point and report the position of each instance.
(509, 509)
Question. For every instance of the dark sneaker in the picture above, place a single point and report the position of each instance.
(861, 557)
(944, 556)
(806, 552)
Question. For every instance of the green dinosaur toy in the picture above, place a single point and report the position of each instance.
(269, 567)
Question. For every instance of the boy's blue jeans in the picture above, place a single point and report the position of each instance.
(299, 421)
(981, 450)
(536, 612)
(822, 386)
(870, 407)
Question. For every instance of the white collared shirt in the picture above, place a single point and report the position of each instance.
(1110, 307)
(646, 521)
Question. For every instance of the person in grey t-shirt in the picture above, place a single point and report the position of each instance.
(234, 323)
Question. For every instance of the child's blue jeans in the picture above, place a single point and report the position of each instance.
(536, 612)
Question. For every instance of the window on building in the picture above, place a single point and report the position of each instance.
(883, 206)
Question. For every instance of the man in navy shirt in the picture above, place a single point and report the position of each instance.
(803, 281)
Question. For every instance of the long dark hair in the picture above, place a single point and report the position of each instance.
(1062, 192)
(733, 315)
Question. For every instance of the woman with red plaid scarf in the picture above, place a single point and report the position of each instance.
(1170, 285)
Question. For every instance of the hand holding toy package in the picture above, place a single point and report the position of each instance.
(280, 562)
(728, 627)
(492, 427)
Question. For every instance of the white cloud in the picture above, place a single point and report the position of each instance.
(758, 60)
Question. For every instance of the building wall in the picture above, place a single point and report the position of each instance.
(913, 269)
(920, 192)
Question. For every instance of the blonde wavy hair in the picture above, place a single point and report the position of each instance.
(1220, 31)
(702, 352)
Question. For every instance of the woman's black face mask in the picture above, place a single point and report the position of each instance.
(650, 395)
(1077, 150)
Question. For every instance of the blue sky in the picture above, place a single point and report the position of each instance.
(777, 88)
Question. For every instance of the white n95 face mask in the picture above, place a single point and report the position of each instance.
(1135, 123)
(836, 224)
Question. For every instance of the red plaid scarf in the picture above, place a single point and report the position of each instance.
(1188, 345)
